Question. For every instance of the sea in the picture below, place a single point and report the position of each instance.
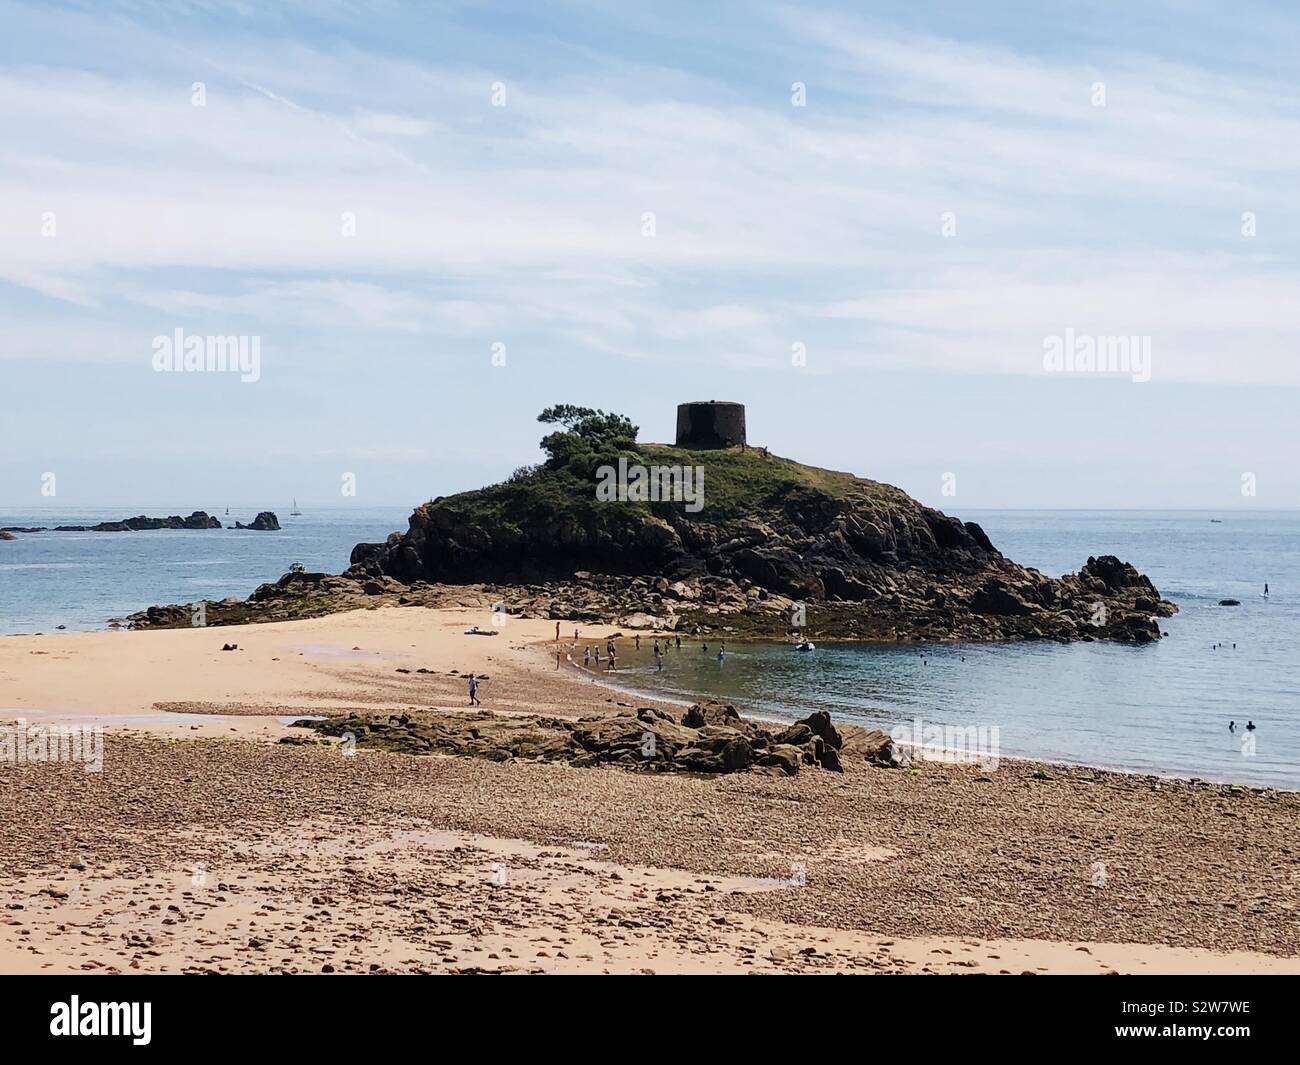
(1162, 708)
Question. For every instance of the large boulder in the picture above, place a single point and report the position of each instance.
(711, 713)
(870, 745)
(819, 724)
(266, 521)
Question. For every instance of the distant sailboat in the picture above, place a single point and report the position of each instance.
(296, 513)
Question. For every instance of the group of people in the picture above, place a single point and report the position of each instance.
(591, 655)
(611, 655)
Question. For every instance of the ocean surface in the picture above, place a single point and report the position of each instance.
(1162, 708)
(80, 580)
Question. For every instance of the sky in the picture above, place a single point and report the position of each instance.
(869, 223)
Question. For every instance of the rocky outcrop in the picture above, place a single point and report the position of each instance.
(856, 559)
(5, 534)
(710, 738)
(776, 548)
(264, 522)
(198, 520)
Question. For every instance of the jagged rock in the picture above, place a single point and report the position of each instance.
(997, 599)
(784, 756)
(795, 735)
(647, 739)
(264, 522)
(710, 713)
(198, 520)
(819, 724)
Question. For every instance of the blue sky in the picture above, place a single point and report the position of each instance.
(954, 191)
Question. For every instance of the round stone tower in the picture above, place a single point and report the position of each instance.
(711, 424)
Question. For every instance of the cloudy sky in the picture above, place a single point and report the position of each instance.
(866, 223)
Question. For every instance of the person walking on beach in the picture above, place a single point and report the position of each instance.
(473, 690)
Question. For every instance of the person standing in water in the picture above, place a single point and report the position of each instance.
(679, 642)
(473, 690)
(1232, 726)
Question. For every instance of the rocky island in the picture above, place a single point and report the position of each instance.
(709, 533)
(264, 522)
(200, 519)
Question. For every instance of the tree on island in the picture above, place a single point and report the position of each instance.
(589, 438)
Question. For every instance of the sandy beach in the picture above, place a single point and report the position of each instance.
(207, 844)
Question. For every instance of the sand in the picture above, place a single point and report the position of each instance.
(206, 845)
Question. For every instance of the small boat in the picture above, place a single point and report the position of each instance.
(295, 513)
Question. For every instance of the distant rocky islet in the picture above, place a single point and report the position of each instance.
(266, 521)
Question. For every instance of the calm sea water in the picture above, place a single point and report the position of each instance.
(80, 580)
(1163, 708)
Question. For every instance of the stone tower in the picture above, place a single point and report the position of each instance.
(711, 424)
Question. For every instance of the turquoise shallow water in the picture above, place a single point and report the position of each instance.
(1162, 709)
